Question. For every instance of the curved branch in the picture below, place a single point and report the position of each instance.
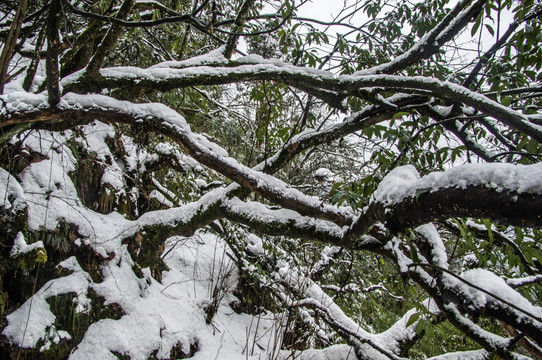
(505, 193)
(481, 289)
(505, 207)
(322, 84)
(369, 115)
(281, 222)
(161, 119)
(490, 342)
(451, 125)
(430, 44)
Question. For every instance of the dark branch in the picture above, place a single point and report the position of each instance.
(9, 45)
(484, 202)
(323, 85)
(268, 187)
(109, 40)
(53, 50)
(186, 18)
(242, 15)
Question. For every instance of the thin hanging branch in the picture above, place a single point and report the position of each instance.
(32, 68)
(9, 46)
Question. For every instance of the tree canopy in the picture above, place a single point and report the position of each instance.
(178, 174)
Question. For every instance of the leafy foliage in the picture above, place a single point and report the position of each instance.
(286, 155)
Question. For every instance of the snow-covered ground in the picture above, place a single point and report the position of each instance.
(158, 317)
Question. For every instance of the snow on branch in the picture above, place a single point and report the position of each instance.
(515, 283)
(489, 341)
(481, 291)
(476, 292)
(319, 83)
(388, 344)
(281, 222)
(506, 193)
(161, 119)
(462, 355)
(369, 115)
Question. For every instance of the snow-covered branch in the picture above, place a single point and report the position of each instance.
(163, 120)
(255, 68)
(114, 200)
(505, 193)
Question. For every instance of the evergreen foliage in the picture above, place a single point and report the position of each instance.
(372, 182)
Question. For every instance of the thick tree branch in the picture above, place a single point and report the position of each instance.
(509, 208)
(468, 191)
(280, 222)
(240, 20)
(419, 203)
(53, 50)
(314, 82)
(165, 121)
(491, 342)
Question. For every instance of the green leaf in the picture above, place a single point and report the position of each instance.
(420, 327)
(428, 330)
(476, 25)
(490, 29)
(412, 319)
(400, 114)
(412, 248)
(506, 100)
(487, 223)
(519, 235)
